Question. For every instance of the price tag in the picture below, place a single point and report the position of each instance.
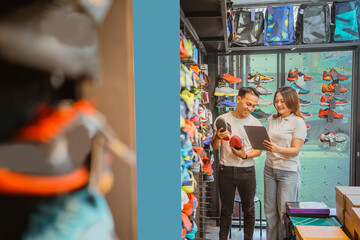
(330, 117)
(257, 80)
(332, 142)
(301, 11)
(253, 15)
(332, 104)
(270, 9)
(337, 90)
(97, 8)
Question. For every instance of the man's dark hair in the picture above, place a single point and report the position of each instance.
(245, 90)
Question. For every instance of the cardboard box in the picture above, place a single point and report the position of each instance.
(340, 213)
(292, 222)
(355, 217)
(349, 224)
(340, 193)
(319, 233)
(351, 201)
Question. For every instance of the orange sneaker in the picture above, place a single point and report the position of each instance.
(230, 79)
(330, 88)
(324, 113)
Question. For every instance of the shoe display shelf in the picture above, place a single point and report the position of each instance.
(196, 151)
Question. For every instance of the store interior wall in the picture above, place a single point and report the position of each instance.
(115, 98)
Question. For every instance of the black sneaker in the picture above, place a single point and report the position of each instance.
(260, 114)
(304, 102)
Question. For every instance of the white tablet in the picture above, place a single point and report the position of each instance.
(257, 135)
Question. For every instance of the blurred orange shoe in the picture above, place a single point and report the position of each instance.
(230, 79)
(330, 88)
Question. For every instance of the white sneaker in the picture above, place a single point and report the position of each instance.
(225, 91)
(327, 137)
(263, 103)
(263, 91)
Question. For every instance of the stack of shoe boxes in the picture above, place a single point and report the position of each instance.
(348, 208)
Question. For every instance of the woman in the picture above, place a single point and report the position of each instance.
(287, 132)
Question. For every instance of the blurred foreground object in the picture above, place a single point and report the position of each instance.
(56, 149)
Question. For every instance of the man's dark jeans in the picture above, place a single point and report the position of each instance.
(242, 178)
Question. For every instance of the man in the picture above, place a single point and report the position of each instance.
(237, 167)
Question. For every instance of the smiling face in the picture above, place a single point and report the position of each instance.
(280, 105)
(246, 105)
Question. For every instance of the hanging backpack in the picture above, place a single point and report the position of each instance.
(279, 25)
(313, 23)
(249, 27)
(345, 16)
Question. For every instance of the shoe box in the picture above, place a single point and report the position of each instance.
(319, 232)
(341, 193)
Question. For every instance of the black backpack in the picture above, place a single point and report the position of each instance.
(249, 28)
(313, 24)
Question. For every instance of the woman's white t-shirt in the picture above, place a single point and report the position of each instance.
(282, 131)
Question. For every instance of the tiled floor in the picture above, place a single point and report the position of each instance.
(235, 233)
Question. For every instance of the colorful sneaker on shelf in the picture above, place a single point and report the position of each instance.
(259, 77)
(230, 78)
(306, 114)
(225, 91)
(294, 75)
(263, 91)
(330, 88)
(324, 113)
(191, 205)
(263, 102)
(304, 102)
(333, 75)
(226, 103)
(329, 136)
(325, 100)
(190, 185)
(186, 224)
(260, 114)
(194, 229)
(308, 126)
(184, 199)
(300, 90)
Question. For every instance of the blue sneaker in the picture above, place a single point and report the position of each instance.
(194, 229)
(300, 90)
(226, 103)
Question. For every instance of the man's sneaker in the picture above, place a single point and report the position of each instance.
(190, 185)
(327, 137)
(230, 78)
(325, 100)
(260, 114)
(330, 88)
(324, 113)
(300, 90)
(304, 102)
(332, 75)
(226, 103)
(263, 91)
(259, 77)
(306, 114)
(308, 127)
(263, 102)
(225, 91)
(294, 75)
